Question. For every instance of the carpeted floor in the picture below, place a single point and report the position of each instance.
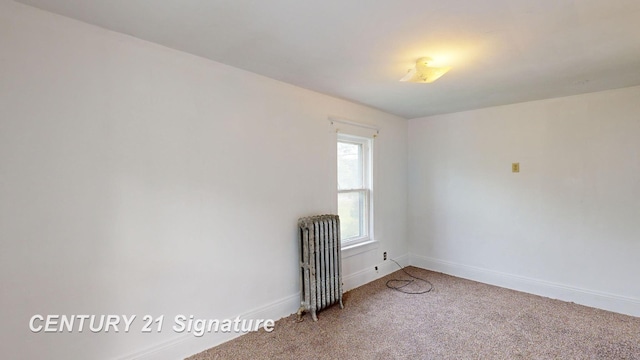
(459, 319)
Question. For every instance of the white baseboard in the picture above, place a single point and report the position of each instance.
(365, 276)
(188, 344)
(597, 299)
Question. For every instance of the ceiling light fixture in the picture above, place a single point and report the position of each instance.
(423, 73)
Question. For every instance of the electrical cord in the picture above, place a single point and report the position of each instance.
(401, 289)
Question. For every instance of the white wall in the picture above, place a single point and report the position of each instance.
(135, 179)
(566, 226)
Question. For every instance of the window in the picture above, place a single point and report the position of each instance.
(354, 188)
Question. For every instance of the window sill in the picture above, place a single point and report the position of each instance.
(349, 250)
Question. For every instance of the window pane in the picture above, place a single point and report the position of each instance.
(350, 209)
(350, 166)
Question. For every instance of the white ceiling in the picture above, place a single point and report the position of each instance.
(501, 51)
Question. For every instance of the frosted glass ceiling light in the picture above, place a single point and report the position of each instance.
(423, 73)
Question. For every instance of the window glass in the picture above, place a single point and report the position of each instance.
(350, 172)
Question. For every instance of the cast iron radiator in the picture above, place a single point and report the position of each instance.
(320, 264)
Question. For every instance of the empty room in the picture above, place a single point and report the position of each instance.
(314, 179)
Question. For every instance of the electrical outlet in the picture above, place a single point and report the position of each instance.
(515, 167)
(384, 255)
(376, 269)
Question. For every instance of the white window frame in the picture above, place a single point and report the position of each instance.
(366, 222)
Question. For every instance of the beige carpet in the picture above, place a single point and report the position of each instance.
(459, 319)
